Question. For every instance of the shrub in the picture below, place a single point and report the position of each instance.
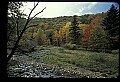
(66, 45)
(79, 46)
(61, 50)
(13, 62)
(41, 48)
(115, 51)
(70, 46)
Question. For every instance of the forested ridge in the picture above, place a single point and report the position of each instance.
(51, 26)
(59, 22)
(66, 46)
(55, 31)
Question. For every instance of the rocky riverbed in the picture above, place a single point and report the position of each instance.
(23, 65)
(35, 70)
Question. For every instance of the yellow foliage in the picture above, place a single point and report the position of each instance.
(83, 26)
(44, 38)
(34, 35)
(62, 34)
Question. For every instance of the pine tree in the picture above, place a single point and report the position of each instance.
(111, 25)
(74, 31)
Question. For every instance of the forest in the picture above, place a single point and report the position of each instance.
(83, 46)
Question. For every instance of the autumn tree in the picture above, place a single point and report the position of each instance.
(67, 26)
(86, 36)
(64, 33)
(62, 36)
(90, 18)
(111, 25)
(83, 26)
(56, 38)
(97, 21)
(44, 39)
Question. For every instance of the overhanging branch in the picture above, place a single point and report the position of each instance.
(37, 14)
(31, 26)
(23, 30)
(32, 10)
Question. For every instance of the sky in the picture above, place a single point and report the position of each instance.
(56, 9)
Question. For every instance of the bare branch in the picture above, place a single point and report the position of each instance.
(31, 26)
(32, 10)
(37, 14)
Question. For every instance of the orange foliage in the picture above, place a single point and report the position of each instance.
(87, 35)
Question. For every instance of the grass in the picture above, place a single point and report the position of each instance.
(105, 63)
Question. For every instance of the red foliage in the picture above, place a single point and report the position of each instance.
(87, 35)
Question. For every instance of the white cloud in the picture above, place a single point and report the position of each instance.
(91, 5)
(86, 6)
(88, 13)
(52, 8)
(69, 13)
(55, 9)
(80, 10)
(77, 14)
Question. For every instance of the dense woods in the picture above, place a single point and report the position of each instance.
(77, 31)
(91, 32)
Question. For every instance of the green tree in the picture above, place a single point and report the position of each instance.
(83, 19)
(111, 25)
(49, 33)
(26, 43)
(99, 40)
(74, 32)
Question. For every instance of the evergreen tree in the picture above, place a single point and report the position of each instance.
(74, 31)
(111, 25)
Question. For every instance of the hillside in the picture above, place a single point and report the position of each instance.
(59, 22)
